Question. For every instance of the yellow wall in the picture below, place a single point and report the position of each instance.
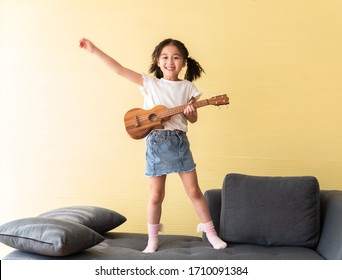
(62, 139)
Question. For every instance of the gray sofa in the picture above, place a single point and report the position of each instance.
(262, 218)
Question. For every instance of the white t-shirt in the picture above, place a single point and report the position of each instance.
(170, 94)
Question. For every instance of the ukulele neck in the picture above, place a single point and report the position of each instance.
(180, 109)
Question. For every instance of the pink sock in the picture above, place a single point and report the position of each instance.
(152, 244)
(210, 231)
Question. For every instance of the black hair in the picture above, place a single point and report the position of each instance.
(194, 69)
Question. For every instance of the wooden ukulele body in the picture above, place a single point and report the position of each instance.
(139, 122)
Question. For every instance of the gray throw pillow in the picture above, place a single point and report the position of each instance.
(270, 210)
(46, 236)
(98, 219)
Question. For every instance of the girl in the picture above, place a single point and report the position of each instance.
(168, 149)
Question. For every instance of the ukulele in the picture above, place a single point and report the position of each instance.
(139, 122)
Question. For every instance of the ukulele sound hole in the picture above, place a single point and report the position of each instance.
(153, 117)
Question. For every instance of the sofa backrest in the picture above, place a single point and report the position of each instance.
(330, 244)
(266, 210)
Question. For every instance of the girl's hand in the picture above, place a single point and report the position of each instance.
(190, 111)
(87, 45)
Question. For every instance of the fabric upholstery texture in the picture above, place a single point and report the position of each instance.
(270, 210)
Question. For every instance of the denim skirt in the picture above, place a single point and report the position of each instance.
(168, 151)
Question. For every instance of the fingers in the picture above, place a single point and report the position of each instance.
(190, 110)
(83, 43)
(86, 44)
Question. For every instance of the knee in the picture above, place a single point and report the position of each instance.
(157, 197)
(194, 193)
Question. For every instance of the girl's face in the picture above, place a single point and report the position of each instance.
(171, 62)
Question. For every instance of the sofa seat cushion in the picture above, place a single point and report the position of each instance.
(276, 211)
(128, 246)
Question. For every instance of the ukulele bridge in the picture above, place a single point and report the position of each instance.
(136, 121)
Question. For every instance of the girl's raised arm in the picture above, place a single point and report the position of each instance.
(112, 63)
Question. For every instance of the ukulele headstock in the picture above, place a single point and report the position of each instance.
(219, 100)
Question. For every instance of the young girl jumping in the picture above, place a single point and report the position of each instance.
(168, 149)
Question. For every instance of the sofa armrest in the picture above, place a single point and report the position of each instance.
(213, 198)
(330, 243)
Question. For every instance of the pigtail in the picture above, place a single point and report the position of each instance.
(155, 69)
(194, 70)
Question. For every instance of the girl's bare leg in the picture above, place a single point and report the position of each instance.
(196, 196)
(154, 210)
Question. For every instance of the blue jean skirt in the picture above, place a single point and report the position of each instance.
(168, 151)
